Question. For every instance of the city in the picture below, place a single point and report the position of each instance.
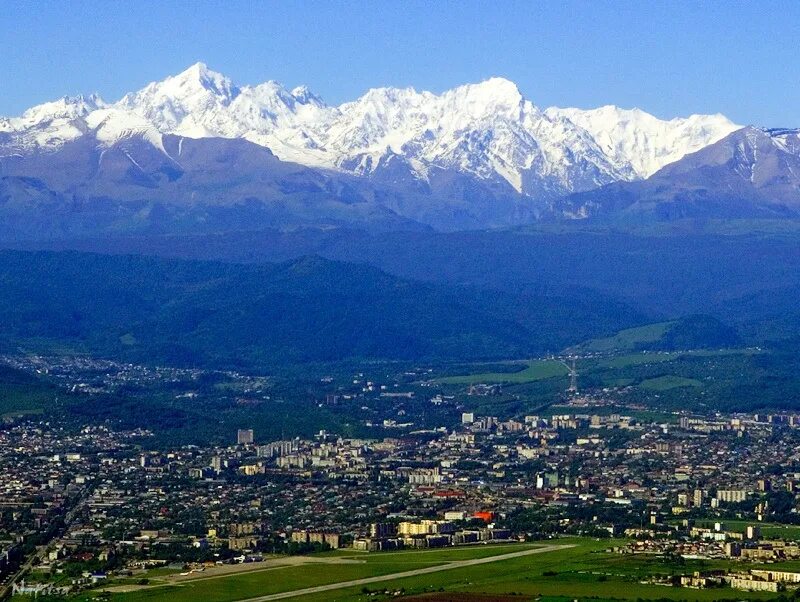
(426, 301)
(96, 508)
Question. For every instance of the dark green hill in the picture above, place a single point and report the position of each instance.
(746, 274)
(22, 393)
(691, 332)
(696, 332)
(309, 309)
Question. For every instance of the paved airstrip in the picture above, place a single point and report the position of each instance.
(449, 566)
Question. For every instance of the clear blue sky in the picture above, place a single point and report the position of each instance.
(669, 58)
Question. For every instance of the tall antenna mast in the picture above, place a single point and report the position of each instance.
(573, 378)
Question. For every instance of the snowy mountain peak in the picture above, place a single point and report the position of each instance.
(66, 107)
(180, 103)
(387, 98)
(198, 70)
(305, 96)
(110, 125)
(199, 77)
(643, 141)
(494, 96)
(49, 125)
(494, 88)
(486, 131)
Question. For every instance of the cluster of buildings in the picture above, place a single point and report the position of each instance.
(754, 580)
(109, 499)
(90, 375)
(429, 533)
(695, 543)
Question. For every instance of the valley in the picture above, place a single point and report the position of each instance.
(426, 340)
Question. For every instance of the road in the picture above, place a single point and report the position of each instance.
(228, 570)
(34, 558)
(38, 556)
(458, 564)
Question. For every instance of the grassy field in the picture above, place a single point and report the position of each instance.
(259, 583)
(535, 370)
(636, 359)
(649, 336)
(658, 379)
(768, 530)
(626, 339)
(583, 571)
(657, 357)
(287, 578)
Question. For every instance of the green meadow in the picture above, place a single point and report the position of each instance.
(629, 338)
(534, 371)
(586, 570)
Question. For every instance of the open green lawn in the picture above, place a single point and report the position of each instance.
(280, 579)
(259, 583)
(535, 370)
(584, 571)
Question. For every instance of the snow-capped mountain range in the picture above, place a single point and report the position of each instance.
(487, 131)
(198, 153)
(751, 173)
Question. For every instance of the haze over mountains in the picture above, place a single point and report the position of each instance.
(198, 153)
(470, 224)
